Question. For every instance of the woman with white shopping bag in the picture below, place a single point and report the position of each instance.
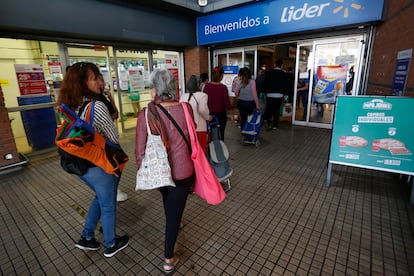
(163, 94)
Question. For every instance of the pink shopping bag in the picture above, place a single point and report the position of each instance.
(206, 185)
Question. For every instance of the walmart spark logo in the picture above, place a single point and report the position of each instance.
(346, 7)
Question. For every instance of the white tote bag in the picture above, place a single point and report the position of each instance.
(155, 171)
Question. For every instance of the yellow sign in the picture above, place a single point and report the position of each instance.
(4, 83)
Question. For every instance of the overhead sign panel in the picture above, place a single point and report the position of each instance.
(284, 16)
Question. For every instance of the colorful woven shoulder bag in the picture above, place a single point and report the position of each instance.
(76, 137)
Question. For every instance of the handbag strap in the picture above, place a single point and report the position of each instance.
(175, 124)
(191, 127)
(90, 111)
(146, 121)
(89, 116)
(195, 99)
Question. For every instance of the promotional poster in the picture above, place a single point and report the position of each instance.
(374, 132)
(330, 82)
(31, 79)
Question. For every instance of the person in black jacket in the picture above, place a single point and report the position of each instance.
(291, 79)
(275, 86)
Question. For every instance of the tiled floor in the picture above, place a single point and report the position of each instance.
(279, 218)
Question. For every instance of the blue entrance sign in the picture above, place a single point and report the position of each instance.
(274, 17)
(229, 69)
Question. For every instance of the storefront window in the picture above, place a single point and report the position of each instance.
(133, 68)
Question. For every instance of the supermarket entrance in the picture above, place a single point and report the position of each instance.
(319, 70)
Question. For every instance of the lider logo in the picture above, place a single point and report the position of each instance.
(346, 7)
(293, 13)
(306, 11)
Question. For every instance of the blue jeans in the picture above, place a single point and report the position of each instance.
(103, 205)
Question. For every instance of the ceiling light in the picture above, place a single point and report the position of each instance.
(202, 3)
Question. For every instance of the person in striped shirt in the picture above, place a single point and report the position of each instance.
(79, 87)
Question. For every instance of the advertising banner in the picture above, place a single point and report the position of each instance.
(330, 82)
(401, 72)
(31, 79)
(374, 133)
(275, 17)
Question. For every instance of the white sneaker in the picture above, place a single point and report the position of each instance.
(121, 196)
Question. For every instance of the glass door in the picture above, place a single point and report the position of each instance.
(304, 58)
(235, 58)
(325, 69)
(240, 57)
(129, 79)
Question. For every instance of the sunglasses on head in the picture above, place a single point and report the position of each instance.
(82, 66)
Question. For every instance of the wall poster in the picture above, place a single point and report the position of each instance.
(31, 79)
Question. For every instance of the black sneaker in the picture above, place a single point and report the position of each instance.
(120, 243)
(85, 244)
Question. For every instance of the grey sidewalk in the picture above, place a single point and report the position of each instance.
(278, 218)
